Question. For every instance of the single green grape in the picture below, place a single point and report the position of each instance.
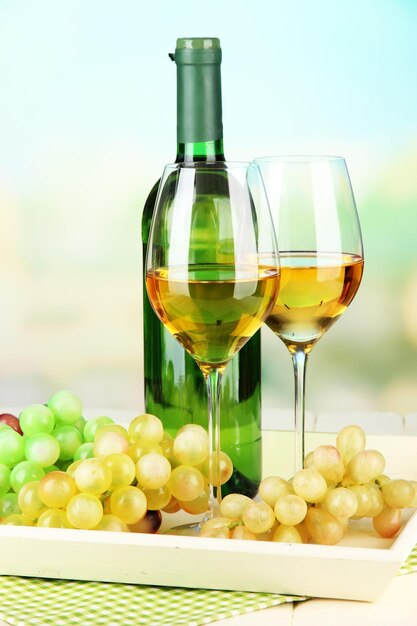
(92, 476)
(122, 469)
(72, 467)
(364, 498)
(112, 428)
(93, 425)
(290, 510)
(5, 479)
(377, 501)
(258, 517)
(225, 468)
(158, 498)
(69, 439)
(310, 485)
(109, 442)
(328, 461)
(350, 441)
(398, 494)
(153, 470)
(199, 504)
(66, 407)
(84, 511)
(129, 504)
(195, 427)
(241, 532)
(29, 502)
(42, 448)
(191, 447)
(146, 426)
(25, 472)
(56, 489)
(323, 527)
(364, 467)
(233, 505)
(53, 518)
(9, 504)
(85, 451)
(12, 447)
(112, 523)
(287, 534)
(272, 488)
(341, 502)
(216, 527)
(143, 446)
(80, 425)
(36, 418)
(165, 447)
(17, 519)
(186, 483)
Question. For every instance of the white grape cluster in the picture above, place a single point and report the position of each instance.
(338, 483)
(57, 470)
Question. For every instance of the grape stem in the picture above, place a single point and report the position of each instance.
(299, 360)
(213, 378)
(234, 524)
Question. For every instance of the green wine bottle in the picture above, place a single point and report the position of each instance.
(174, 386)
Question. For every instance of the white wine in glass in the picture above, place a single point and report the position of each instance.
(321, 257)
(212, 293)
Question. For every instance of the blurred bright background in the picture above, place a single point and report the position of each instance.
(87, 120)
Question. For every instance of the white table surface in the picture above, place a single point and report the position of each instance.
(396, 607)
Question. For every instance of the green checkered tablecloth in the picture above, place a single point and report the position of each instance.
(410, 564)
(42, 602)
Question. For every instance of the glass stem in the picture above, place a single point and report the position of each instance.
(299, 361)
(213, 379)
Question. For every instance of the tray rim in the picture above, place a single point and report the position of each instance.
(396, 552)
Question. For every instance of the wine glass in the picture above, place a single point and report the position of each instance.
(212, 271)
(321, 257)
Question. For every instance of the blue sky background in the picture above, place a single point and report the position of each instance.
(87, 121)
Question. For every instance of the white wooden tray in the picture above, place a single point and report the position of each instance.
(355, 573)
(357, 569)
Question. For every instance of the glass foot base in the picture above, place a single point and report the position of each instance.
(185, 530)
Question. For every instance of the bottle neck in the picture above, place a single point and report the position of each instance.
(200, 151)
(199, 106)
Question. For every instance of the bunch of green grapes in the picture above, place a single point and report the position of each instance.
(338, 483)
(58, 470)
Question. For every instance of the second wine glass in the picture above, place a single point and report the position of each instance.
(321, 255)
(212, 271)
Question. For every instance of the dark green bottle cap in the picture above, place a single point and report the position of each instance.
(195, 43)
(199, 104)
(192, 50)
